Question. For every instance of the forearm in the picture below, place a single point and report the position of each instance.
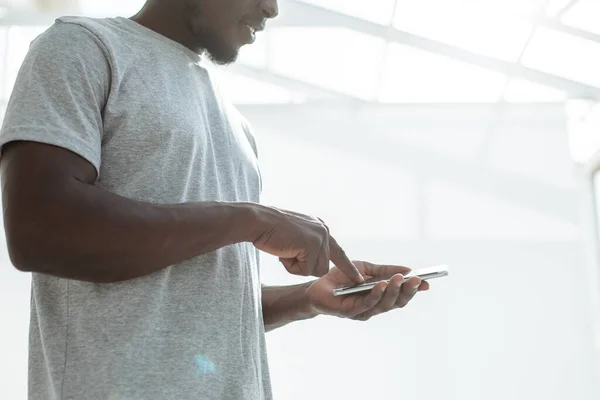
(284, 304)
(90, 234)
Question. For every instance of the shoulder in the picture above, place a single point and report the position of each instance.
(102, 28)
(84, 35)
(70, 37)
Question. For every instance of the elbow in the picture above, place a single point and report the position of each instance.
(23, 242)
(20, 252)
(18, 259)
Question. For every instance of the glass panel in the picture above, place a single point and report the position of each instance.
(255, 54)
(584, 15)
(556, 6)
(3, 66)
(19, 39)
(583, 127)
(521, 91)
(528, 8)
(110, 8)
(378, 11)
(561, 54)
(343, 60)
(460, 24)
(596, 193)
(412, 75)
(241, 90)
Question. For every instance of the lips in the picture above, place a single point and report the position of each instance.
(255, 26)
(252, 27)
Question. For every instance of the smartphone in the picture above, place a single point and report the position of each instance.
(425, 274)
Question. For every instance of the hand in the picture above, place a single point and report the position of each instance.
(303, 244)
(382, 298)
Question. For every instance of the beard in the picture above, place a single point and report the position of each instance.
(213, 43)
(221, 54)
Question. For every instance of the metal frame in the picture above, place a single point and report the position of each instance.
(296, 13)
(301, 14)
(566, 9)
(558, 26)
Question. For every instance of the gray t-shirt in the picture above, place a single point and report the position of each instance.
(144, 111)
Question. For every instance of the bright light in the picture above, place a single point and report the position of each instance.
(465, 25)
(583, 127)
(564, 55)
(584, 15)
(111, 8)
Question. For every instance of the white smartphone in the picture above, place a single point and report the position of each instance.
(425, 274)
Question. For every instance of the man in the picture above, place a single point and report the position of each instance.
(131, 192)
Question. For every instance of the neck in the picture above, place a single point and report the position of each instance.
(167, 21)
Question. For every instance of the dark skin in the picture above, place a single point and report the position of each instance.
(218, 28)
(57, 220)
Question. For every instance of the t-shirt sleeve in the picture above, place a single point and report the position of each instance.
(60, 92)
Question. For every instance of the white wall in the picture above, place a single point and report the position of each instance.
(491, 192)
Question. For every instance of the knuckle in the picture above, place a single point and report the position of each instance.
(315, 219)
(316, 241)
(323, 231)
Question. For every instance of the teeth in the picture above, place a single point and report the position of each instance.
(251, 29)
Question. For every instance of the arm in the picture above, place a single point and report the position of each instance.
(58, 222)
(284, 304)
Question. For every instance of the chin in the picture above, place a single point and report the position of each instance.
(222, 60)
(223, 55)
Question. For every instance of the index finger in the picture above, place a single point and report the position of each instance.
(341, 260)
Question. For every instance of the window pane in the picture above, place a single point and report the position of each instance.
(521, 91)
(3, 66)
(460, 24)
(412, 75)
(564, 55)
(242, 90)
(378, 11)
(255, 54)
(556, 6)
(596, 186)
(110, 8)
(583, 127)
(335, 58)
(19, 39)
(584, 15)
(528, 8)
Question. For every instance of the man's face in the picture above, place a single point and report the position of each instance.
(222, 27)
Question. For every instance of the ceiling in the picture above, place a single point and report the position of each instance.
(405, 51)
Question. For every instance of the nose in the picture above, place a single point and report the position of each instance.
(269, 8)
